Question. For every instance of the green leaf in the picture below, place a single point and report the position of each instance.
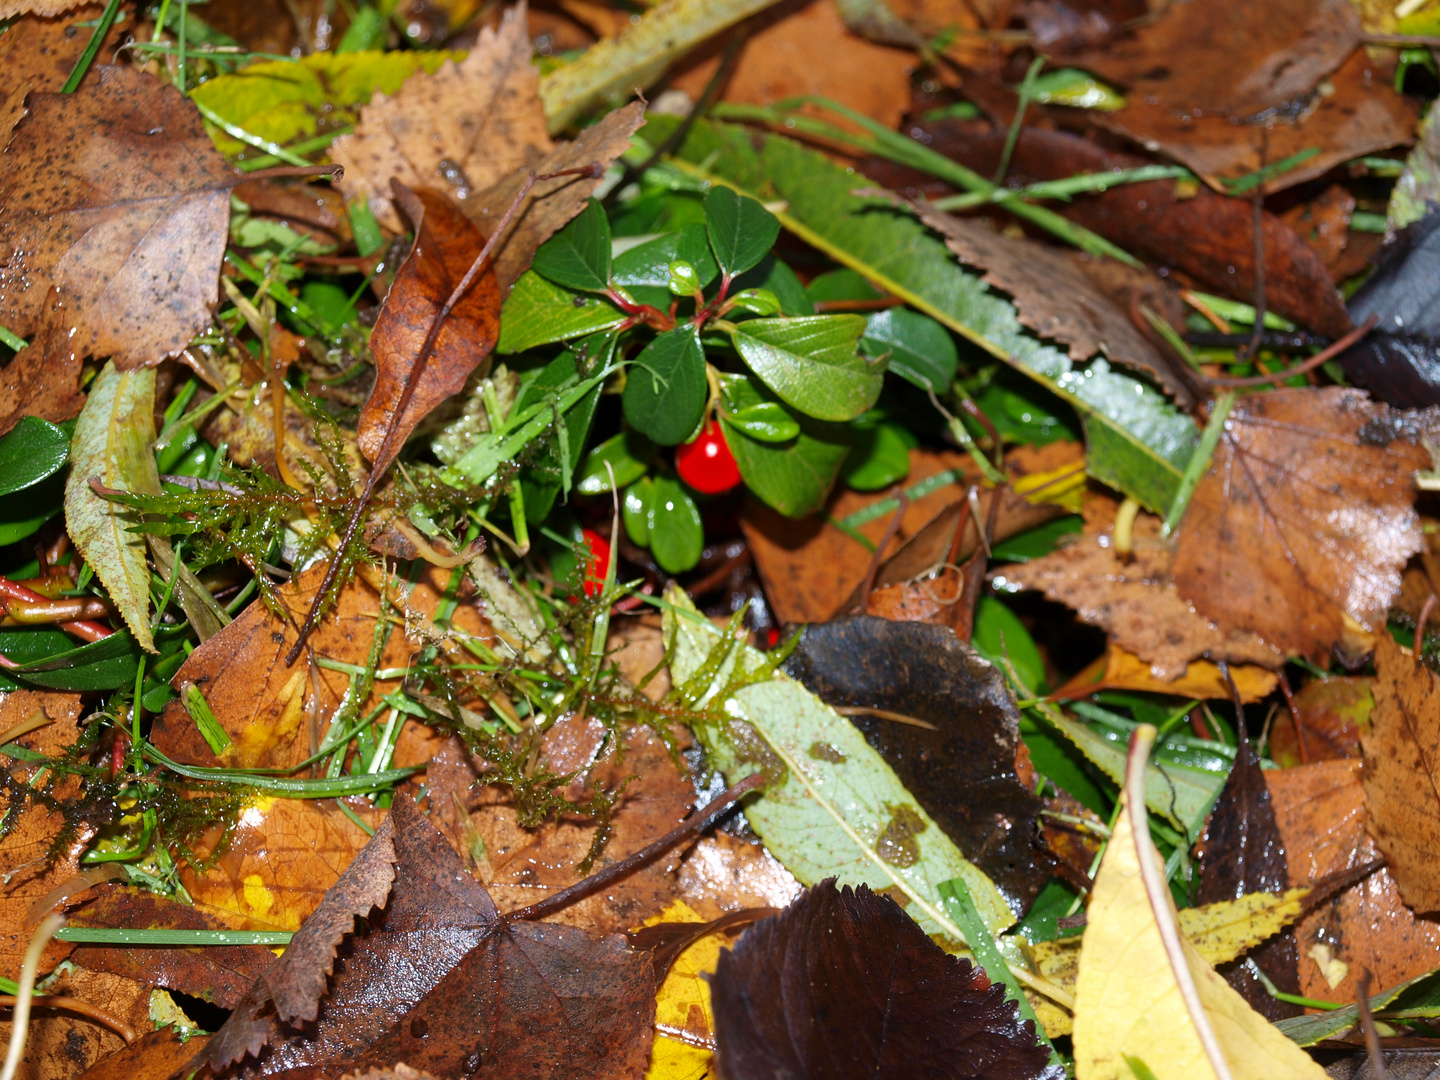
(578, 256)
(112, 442)
(776, 277)
(842, 284)
(648, 264)
(538, 312)
(29, 645)
(1145, 442)
(795, 476)
(768, 422)
(665, 387)
(742, 232)
(33, 450)
(23, 512)
(283, 101)
(881, 456)
(107, 664)
(835, 809)
(629, 454)
(673, 521)
(811, 363)
(1033, 543)
(635, 511)
(999, 634)
(921, 351)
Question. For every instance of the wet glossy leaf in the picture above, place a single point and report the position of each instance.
(766, 422)
(673, 526)
(578, 256)
(628, 455)
(794, 476)
(635, 510)
(648, 264)
(33, 450)
(665, 387)
(538, 312)
(920, 350)
(812, 363)
(881, 456)
(741, 230)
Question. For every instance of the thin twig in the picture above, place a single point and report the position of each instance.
(879, 556)
(1378, 1071)
(1331, 351)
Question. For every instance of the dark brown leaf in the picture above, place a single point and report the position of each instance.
(1402, 770)
(115, 195)
(962, 768)
(156, 1055)
(446, 245)
(843, 984)
(1305, 518)
(43, 379)
(1244, 853)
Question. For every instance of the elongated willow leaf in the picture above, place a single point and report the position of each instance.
(1138, 441)
(839, 810)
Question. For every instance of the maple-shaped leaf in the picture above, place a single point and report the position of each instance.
(115, 195)
(1402, 771)
(446, 244)
(474, 130)
(1305, 518)
(844, 984)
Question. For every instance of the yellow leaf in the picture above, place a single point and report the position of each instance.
(684, 1024)
(1144, 993)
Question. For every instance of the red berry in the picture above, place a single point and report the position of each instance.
(597, 563)
(707, 464)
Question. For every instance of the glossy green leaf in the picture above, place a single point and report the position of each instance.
(795, 476)
(835, 807)
(812, 363)
(1041, 540)
(880, 457)
(999, 636)
(648, 264)
(635, 511)
(23, 512)
(842, 284)
(673, 521)
(28, 645)
(283, 101)
(107, 664)
(742, 232)
(769, 422)
(774, 276)
(665, 387)
(628, 454)
(539, 312)
(1139, 441)
(578, 256)
(33, 450)
(921, 351)
(756, 302)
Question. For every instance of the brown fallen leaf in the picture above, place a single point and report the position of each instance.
(1304, 520)
(1320, 810)
(116, 195)
(1324, 223)
(39, 52)
(219, 973)
(1229, 58)
(157, 1055)
(1355, 112)
(43, 379)
(1057, 301)
(1133, 602)
(1334, 713)
(446, 245)
(60, 1043)
(1402, 767)
(1208, 237)
(1118, 669)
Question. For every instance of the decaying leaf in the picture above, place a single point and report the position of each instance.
(1118, 669)
(1143, 993)
(844, 984)
(61, 1044)
(39, 52)
(112, 442)
(1402, 768)
(960, 766)
(1243, 854)
(1134, 601)
(115, 195)
(44, 377)
(1320, 809)
(1056, 300)
(1333, 714)
(1304, 520)
(157, 1055)
(440, 980)
(446, 245)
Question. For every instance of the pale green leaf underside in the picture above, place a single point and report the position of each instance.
(825, 818)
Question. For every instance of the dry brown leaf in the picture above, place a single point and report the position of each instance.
(1402, 768)
(38, 53)
(44, 9)
(270, 711)
(61, 1044)
(116, 195)
(803, 47)
(1324, 224)
(1230, 57)
(29, 875)
(158, 1055)
(460, 130)
(1320, 810)
(1133, 602)
(1119, 669)
(43, 379)
(1305, 518)
(1359, 115)
(1055, 299)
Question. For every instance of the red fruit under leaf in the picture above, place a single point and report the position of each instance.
(597, 563)
(707, 464)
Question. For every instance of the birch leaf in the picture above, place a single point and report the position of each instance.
(112, 442)
(1144, 995)
(839, 811)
